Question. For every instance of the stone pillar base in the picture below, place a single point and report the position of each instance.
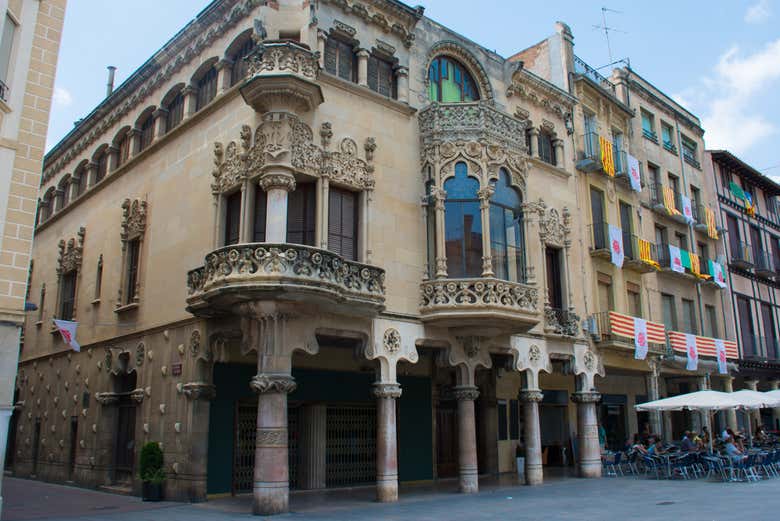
(467, 439)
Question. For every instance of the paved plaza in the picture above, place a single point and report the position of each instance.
(594, 499)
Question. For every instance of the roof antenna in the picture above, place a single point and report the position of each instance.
(604, 27)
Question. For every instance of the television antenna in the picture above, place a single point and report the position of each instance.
(607, 29)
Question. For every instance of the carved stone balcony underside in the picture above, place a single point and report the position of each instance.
(473, 121)
(284, 272)
(485, 303)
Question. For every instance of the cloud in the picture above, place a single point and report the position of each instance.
(758, 13)
(730, 97)
(62, 97)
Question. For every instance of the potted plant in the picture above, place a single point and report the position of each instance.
(152, 473)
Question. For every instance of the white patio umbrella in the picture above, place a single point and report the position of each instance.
(751, 400)
(774, 394)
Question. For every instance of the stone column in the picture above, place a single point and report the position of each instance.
(272, 474)
(754, 414)
(484, 206)
(402, 84)
(325, 213)
(322, 36)
(775, 384)
(467, 438)
(441, 253)
(92, 169)
(362, 67)
(311, 473)
(587, 434)
(534, 133)
(225, 70)
(731, 414)
(113, 158)
(364, 221)
(558, 145)
(386, 442)
(487, 434)
(534, 473)
(159, 116)
(651, 380)
(190, 93)
(277, 183)
(135, 141)
(248, 211)
(199, 394)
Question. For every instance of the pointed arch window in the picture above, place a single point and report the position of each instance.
(506, 230)
(463, 225)
(238, 72)
(449, 82)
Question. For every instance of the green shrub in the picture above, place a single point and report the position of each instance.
(152, 463)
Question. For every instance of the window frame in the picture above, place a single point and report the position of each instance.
(343, 48)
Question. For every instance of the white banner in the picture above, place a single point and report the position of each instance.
(68, 331)
(687, 209)
(720, 352)
(717, 274)
(693, 353)
(616, 245)
(633, 173)
(640, 338)
(675, 259)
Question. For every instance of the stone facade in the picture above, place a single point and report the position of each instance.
(289, 237)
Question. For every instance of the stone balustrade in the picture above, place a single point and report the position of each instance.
(473, 121)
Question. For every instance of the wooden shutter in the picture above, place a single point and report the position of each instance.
(301, 205)
(133, 254)
(346, 59)
(232, 218)
(261, 200)
(331, 55)
(342, 223)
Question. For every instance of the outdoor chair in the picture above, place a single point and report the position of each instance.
(611, 464)
(651, 466)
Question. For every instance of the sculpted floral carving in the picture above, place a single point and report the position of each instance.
(344, 165)
(282, 58)
(273, 383)
(71, 253)
(133, 218)
(476, 121)
(272, 264)
(478, 293)
(195, 343)
(388, 16)
(392, 340)
(561, 322)
(554, 227)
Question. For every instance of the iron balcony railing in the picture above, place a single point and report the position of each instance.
(649, 134)
(3, 91)
(742, 254)
(670, 147)
(657, 196)
(630, 246)
(621, 162)
(599, 234)
(764, 263)
(690, 157)
(591, 148)
(580, 67)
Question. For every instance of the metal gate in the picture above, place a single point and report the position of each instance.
(350, 445)
(244, 446)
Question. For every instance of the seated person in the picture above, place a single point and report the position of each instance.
(761, 436)
(657, 448)
(687, 444)
(733, 452)
(638, 446)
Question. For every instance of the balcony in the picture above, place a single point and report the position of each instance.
(640, 256)
(666, 201)
(764, 264)
(665, 263)
(586, 71)
(615, 331)
(670, 147)
(705, 346)
(485, 303)
(475, 121)
(283, 272)
(700, 218)
(741, 255)
(690, 157)
(599, 240)
(649, 134)
(561, 322)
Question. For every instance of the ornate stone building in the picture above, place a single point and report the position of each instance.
(320, 244)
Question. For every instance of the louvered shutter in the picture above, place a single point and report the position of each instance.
(301, 214)
(334, 221)
(331, 53)
(261, 199)
(232, 218)
(342, 223)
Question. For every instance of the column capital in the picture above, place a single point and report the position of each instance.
(387, 390)
(362, 53)
(263, 383)
(160, 112)
(224, 62)
(401, 71)
(465, 392)
(533, 131)
(189, 89)
(277, 179)
(486, 193)
(530, 395)
(322, 35)
(585, 397)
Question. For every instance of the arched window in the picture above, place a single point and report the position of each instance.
(463, 225)
(449, 82)
(79, 178)
(123, 143)
(63, 193)
(101, 165)
(207, 87)
(174, 105)
(147, 130)
(238, 72)
(506, 231)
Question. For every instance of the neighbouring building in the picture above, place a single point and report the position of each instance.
(30, 32)
(320, 244)
(749, 216)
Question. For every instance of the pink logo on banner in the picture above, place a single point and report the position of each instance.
(616, 246)
(677, 262)
(642, 339)
(722, 356)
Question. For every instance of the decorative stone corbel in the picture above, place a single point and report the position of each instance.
(392, 341)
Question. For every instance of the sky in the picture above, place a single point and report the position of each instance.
(720, 59)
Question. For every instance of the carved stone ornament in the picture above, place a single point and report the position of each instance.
(539, 93)
(585, 397)
(530, 396)
(478, 122)
(133, 219)
(589, 359)
(273, 383)
(478, 293)
(282, 58)
(199, 391)
(390, 17)
(71, 253)
(554, 227)
(140, 354)
(392, 340)
(195, 343)
(137, 395)
(106, 399)
(465, 392)
(387, 390)
(346, 167)
(534, 354)
(561, 322)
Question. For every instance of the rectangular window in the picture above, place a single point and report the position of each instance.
(261, 200)
(733, 235)
(670, 313)
(67, 295)
(654, 174)
(746, 330)
(776, 253)
(554, 278)
(343, 223)
(340, 59)
(770, 342)
(232, 218)
(6, 46)
(133, 259)
(598, 218)
(704, 253)
(667, 136)
(627, 226)
(380, 76)
(712, 321)
(689, 151)
(99, 278)
(546, 149)
(648, 125)
(725, 178)
(301, 205)
(755, 238)
(606, 300)
(502, 426)
(689, 317)
(634, 299)
(514, 420)
(696, 204)
(682, 240)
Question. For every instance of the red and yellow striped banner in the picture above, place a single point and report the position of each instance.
(669, 201)
(712, 229)
(623, 325)
(607, 156)
(704, 345)
(645, 254)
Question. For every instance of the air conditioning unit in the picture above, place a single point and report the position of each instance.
(592, 328)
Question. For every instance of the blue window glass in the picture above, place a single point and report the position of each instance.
(506, 231)
(463, 225)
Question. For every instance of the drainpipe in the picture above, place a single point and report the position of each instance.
(110, 83)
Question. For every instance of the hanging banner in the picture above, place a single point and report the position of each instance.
(720, 352)
(640, 338)
(712, 229)
(616, 245)
(607, 157)
(693, 353)
(68, 331)
(646, 254)
(675, 259)
(687, 209)
(671, 208)
(633, 173)
(716, 270)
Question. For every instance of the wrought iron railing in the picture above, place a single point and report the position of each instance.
(649, 134)
(690, 157)
(741, 253)
(3, 91)
(599, 235)
(591, 148)
(582, 68)
(764, 262)
(670, 146)
(561, 321)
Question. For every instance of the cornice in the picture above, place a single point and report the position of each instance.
(647, 95)
(389, 15)
(527, 85)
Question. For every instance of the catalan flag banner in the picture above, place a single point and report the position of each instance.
(712, 229)
(645, 254)
(669, 201)
(607, 156)
(633, 173)
(695, 264)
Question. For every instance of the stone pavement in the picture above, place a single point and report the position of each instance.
(558, 499)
